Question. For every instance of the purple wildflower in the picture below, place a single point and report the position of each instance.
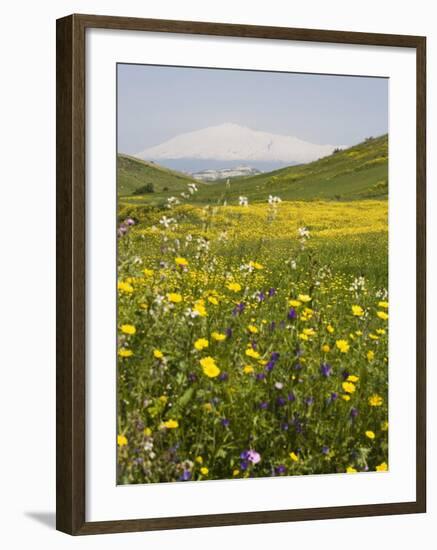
(260, 376)
(334, 396)
(251, 455)
(309, 401)
(270, 366)
(280, 469)
(186, 475)
(225, 422)
(325, 370)
(291, 396)
(272, 292)
(325, 449)
(238, 309)
(129, 221)
(274, 355)
(229, 333)
(284, 426)
(272, 326)
(281, 401)
(223, 377)
(264, 405)
(354, 412)
(261, 296)
(292, 314)
(345, 374)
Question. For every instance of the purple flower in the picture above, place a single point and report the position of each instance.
(280, 469)
(225, 422)
(309, 401)
(192, 377)
(297, 366)
(129, 221)
(261, 296)
(272, 326)
(345, 374)
(243, 465)
(238, 309)
(284, 426)
(334, 396)
(223, 377)
(260, 376)
(264, 405)
(281, 401)
(325, 370)
(325, 449)
(229, 333)
(354, 412)
(270, 366)
(272, 292)
(274, 355)
(122, 230)
(186, 476)
(251, 455)
(291, 396)
(292, 314)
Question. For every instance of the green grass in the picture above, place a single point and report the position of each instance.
(132, 174)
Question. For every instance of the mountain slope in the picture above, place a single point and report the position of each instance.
(231, 142)
(134, 176)
(355, 173)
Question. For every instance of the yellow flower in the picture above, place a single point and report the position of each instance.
(256, 265)
(304, 298)
(204, 471)
(125, 287)
(348, 387)
(358, 333)
(123, 352)
(309, 331)
(199, 459)
(351, 470)
(250, 352)
(252, 329)
(174, 297)
(200, 308)
(209, 367)
(325, 348)
(384, 426)
(213, 300)
(373, 337)
(163, 399)
(294, 303)
(157, 354)
(380, 331)
(358, 311)
(219, 336)
(128, 329)
(148, 272)
(383, 305)
(346, 397)
(330, 329)
(147, 432)
(383, 467)
(248, 369)
(303, 337)
(235, 472)
(294, 457)
(207, 407)
(235, 287)
(370, 355)
(121, 440)
(181, 261)
(342, 345)
(201, 343)
(382, 315)
(375, 400)
(352, 378)
(370, 434)
(171, 424)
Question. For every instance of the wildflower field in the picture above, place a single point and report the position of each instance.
(252, 338)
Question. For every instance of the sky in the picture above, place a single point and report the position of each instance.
(156, 103)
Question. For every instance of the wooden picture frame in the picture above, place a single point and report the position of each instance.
(71, 284)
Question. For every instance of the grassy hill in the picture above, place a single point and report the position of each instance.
(355, 173)
(360, 172)
(136, 177)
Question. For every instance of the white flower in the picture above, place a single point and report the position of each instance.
(172, 201)
(243, 201)
(303, 233)
(274, 200)
(166, 222)
(192, 188)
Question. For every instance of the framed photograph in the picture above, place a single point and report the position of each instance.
(240, 274)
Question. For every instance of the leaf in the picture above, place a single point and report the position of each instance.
(186, 397)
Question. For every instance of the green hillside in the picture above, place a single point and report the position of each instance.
(356, 173)
(360, 172)
(139, 178)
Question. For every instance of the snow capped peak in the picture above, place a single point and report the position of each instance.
(232, 142)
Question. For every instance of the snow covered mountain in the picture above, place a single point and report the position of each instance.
(231, 142)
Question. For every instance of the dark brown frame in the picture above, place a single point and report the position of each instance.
(70, 300)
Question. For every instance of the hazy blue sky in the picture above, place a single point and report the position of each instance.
(157, 103)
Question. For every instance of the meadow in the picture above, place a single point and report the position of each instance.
(252, 334)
